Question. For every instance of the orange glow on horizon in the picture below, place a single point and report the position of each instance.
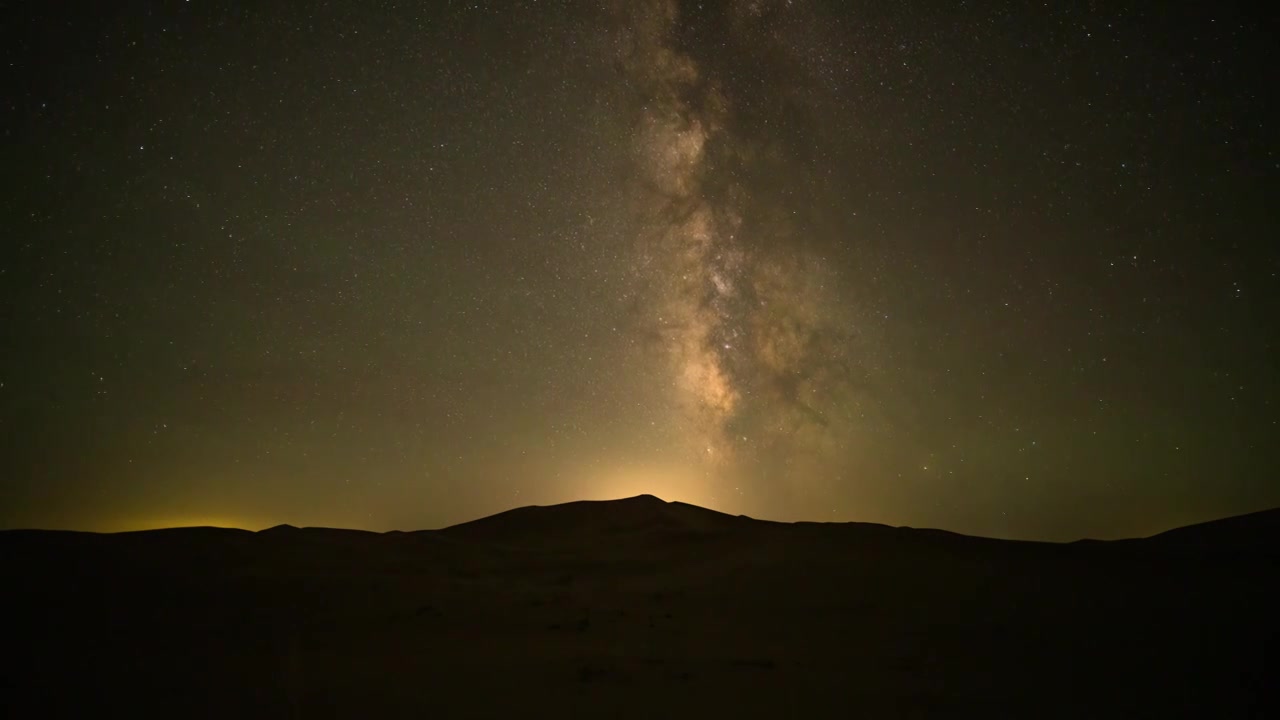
(668, 482)
(162, 522)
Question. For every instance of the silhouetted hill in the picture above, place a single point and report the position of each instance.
(1255, 533)
(639, 608)
(642, 516)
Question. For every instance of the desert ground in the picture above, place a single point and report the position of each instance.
(641, 608)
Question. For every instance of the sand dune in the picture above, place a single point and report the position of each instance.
(641, 608)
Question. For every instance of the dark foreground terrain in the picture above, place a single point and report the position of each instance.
(640, 608)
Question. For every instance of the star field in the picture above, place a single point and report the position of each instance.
(1000, 269)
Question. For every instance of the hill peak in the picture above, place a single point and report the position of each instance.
(638, 515)
(282, 527)
(643, 499)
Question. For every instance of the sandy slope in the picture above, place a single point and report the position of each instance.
(640, 608)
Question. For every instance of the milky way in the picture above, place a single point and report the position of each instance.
(763, 341)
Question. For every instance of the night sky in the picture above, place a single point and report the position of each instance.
(1008, 269)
